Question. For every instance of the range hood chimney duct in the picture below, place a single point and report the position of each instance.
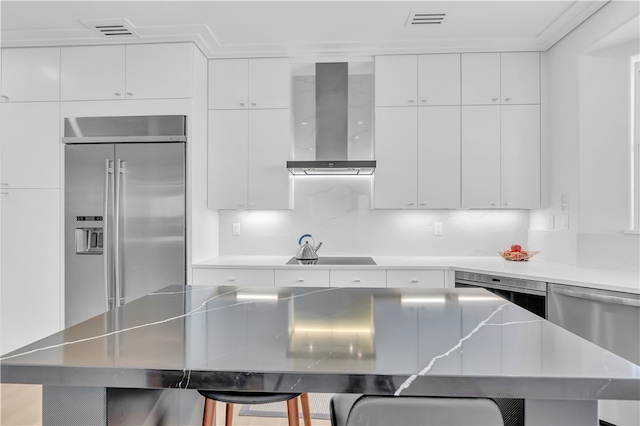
(332, 126)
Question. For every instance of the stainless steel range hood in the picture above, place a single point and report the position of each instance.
(332, 111)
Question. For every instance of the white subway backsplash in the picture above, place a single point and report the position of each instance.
(336, 210)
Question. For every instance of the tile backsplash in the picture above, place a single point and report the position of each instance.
(337, 211)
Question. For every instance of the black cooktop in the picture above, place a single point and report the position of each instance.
(333, 261)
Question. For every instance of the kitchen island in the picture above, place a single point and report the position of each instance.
(146, 359)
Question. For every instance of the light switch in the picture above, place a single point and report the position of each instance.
(565, 222)
(236, 229)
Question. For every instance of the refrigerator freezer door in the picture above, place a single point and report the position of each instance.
(150, 242)
(87, 280)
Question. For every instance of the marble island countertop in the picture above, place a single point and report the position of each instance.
(456, 342)
(614, 279)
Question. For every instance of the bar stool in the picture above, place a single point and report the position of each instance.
(360, 410)
(230, 398)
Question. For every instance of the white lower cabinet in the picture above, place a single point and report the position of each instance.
(236, 277)
(302, 278)
(30, 296)
(415, 278)
(358, 278)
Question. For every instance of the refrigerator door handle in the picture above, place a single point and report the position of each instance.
(108, 172)
(116, 243)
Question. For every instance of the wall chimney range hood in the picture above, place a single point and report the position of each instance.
(332, 111)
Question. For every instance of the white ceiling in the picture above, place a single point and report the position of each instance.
(301, 28)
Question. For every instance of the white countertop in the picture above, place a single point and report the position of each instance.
(625, 280)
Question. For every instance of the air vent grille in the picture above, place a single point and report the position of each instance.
(111, 28)
(425, 18)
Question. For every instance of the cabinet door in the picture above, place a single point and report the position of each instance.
(480, 78)
(395, 180)
(481, 157)
(396, 80)
(520, 76)
(30, 272)
(30, 151)
(269, 181)
(92, 73)
(227, 182)
(228, 84)
(269, 83)
(31, 74)
(520, 156)
(159, 71)
(439, 157)
(439, 79)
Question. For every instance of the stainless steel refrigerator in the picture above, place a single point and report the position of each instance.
(124, 210)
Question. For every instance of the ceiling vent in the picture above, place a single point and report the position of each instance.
(111, 28)
(424, 18)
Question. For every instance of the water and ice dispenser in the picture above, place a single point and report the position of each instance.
(89, 240)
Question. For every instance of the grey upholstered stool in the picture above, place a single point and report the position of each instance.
(360, 410)
(231, 398)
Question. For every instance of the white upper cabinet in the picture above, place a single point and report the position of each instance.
(92, 73)
(439, 79)
(248, 151)
(269, 182)
(159, 71)
(396, 80)
(520, 156)
(31, 74)
(30, 154)
(481, 157)
(269, 83)
(501, 157)
(480, 78)
(228, 88)
(501, 78)
(439, 157)
(228, 150)
(135, 71)
(249, 83)
(520, 76)
(396, 176)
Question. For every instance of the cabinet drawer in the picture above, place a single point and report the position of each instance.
(416, 278)
(302, 278)
(240, 277)
(358, 278)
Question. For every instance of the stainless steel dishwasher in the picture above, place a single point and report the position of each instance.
(528, 294)
(609, 319)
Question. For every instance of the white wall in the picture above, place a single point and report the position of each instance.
(589, 143)
(336, 210)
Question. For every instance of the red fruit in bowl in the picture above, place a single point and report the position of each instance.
(516, 247)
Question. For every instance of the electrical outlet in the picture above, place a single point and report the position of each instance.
(437, 228)
(564, 203)
(236, 229)
(550, 222)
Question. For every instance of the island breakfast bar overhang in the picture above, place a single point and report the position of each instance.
(143, 362)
